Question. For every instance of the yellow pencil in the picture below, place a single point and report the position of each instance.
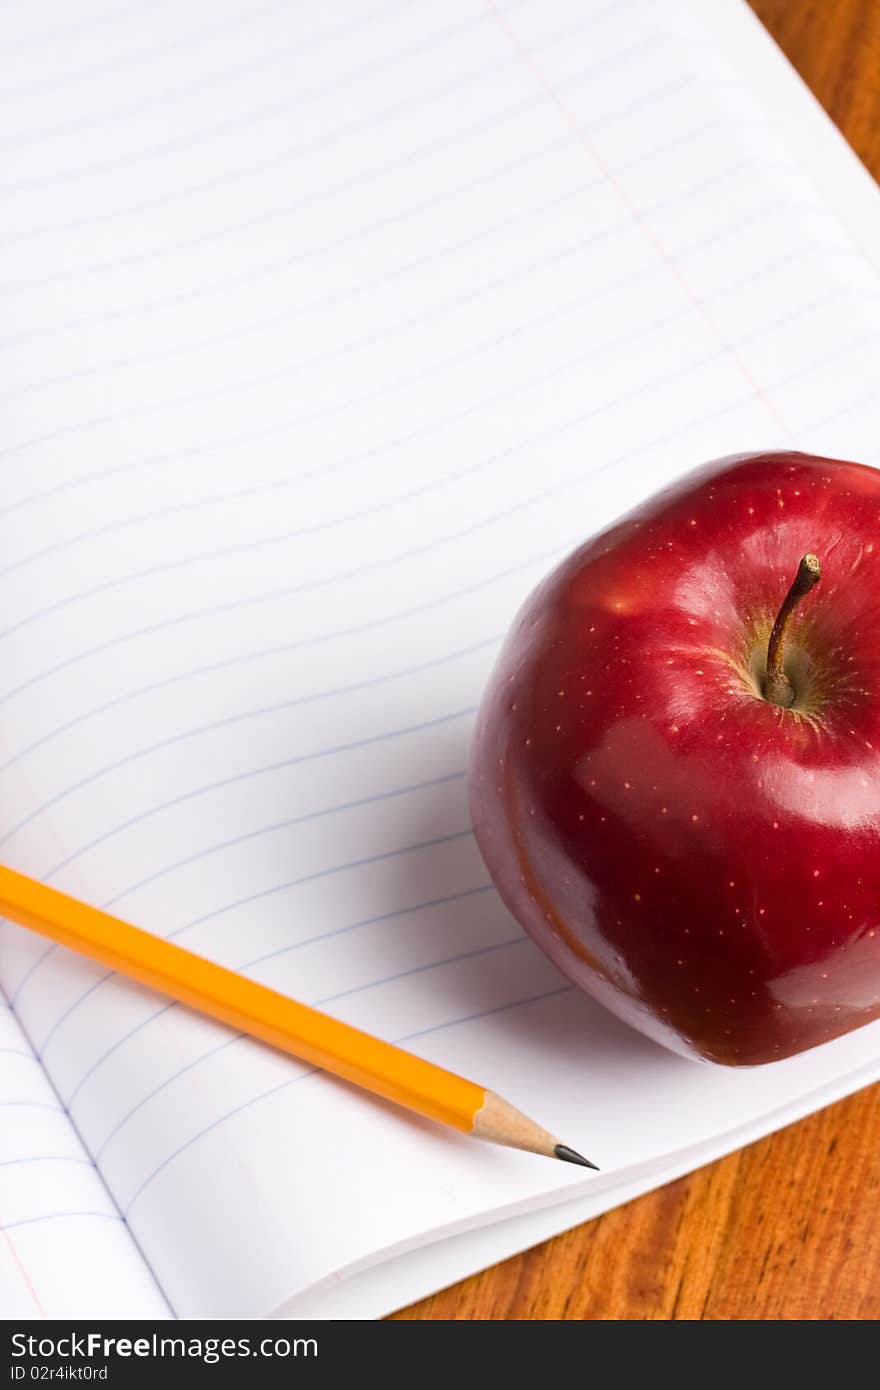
(263, 1013)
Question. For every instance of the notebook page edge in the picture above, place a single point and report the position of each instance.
(405, 1275)
(825, 153)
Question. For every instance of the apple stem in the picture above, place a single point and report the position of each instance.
(778, 688)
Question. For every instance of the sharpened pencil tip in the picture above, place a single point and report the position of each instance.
(572, 1156)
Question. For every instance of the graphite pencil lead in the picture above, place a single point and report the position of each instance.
(572, 1156)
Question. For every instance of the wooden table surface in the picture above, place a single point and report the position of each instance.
(788, 1228)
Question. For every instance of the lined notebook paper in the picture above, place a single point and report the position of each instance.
(324, 332)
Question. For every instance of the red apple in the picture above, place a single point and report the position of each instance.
(694, 851)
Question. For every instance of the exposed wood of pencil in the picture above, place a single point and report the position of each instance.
(273, 1018)
(499, 1123)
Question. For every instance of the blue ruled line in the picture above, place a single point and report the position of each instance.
(282, 1086)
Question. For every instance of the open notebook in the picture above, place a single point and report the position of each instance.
(324, 332)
